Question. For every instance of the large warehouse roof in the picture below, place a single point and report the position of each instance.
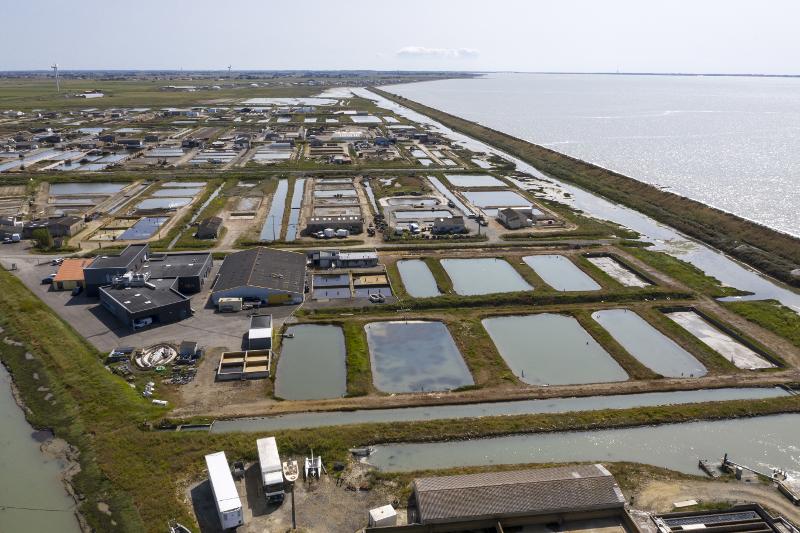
(516, 493)
(265, 268)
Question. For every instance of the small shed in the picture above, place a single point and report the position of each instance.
(209, 228)
(382, 516)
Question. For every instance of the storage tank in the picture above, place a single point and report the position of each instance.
(328, 233)
(342, 233)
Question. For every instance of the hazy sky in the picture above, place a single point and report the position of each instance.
(526, 35)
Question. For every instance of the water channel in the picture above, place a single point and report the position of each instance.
(761, 442)
(519, 407)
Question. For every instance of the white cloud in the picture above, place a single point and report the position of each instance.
(441, 53)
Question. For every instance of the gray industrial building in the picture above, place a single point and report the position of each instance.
(134, 285)
(505, 500)
(189, 270)
(139, 300)
(337, 259)
(105, 268)
(265, 275)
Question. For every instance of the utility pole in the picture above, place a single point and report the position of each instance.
(55, 69)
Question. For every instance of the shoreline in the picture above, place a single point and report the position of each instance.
(53, 447)
(762, 248)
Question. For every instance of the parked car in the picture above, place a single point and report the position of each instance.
(49, 279)
(57, 261)
(377, 298)
(140, 323)
(77, 290)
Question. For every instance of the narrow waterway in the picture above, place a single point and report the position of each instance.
(763, 442)
(520, 407)
(669, 240)
(32, 496)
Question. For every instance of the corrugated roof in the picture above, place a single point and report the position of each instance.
(521, 492)
(265, 268)
(72, 270)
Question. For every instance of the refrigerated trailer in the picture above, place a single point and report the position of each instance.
(271, 469)
(226, 497)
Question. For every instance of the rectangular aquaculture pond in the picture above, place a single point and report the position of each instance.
(483, 276)
(618, 271)
(560, 273)
(144, 228)
(722, 343)
(162, 203)
(655, 350)
(414, 356)
(417, 278)
(551, 349)
(474, 180)
(312, 363)
(496, 199)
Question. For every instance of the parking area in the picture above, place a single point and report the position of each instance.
(207, 327)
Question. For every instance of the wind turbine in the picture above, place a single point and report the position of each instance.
(55, 69)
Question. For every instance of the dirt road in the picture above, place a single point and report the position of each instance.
(658, 496)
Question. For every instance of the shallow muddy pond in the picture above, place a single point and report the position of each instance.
(417, 278)
(651, 347)
(411, 200)
(550, 349)
(61, 189)
(163, 203)
(560, 273)
(415, 355)
(177, 192)
(312, 364)
(732, 350)
(521, 407)
(616, 270)
(483, 276)
(474, 180)
(496, 199)
(761, 442)
(422, 214)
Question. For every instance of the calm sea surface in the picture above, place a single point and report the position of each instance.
(730, 142)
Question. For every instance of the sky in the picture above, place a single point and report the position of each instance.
(708, 36)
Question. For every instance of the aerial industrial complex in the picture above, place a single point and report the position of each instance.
(324, 312)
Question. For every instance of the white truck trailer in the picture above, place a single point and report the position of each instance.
(271, 469)
(226, 498)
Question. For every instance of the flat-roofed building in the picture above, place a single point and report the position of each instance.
(148, 303)
(105, 268)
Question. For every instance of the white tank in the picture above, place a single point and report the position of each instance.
(342, 233)
(329, 233)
